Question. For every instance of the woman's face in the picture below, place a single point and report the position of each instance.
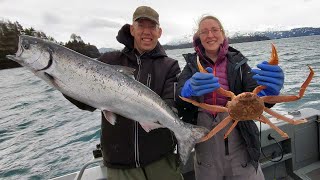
(211, 35)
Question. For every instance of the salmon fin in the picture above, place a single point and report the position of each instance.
(110, 116)
(148, 126)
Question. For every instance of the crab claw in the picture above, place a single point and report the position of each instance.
(300, 121)
(201, 69)
(219, 90)
(274, 60)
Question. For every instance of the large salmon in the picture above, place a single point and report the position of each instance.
(112, 89)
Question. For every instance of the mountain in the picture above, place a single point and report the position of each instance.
(248, 38)
(185, 39)
(239, 37)
(103, 50)
(296, 32)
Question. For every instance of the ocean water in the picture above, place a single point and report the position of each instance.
(43, 136)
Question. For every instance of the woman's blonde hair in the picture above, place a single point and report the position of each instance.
(205, 17)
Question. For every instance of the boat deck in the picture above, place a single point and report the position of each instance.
(295, 158)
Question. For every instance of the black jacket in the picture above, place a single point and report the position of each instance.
(126, 144)
(240, 80)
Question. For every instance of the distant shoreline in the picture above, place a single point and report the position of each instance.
(239, 39)
(260, 36)
(8, 64)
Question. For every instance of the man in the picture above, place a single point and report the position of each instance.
(129, 152)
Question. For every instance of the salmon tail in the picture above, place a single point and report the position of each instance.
(187, 142)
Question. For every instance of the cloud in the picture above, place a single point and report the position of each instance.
(98, 21)
(50, 18)
(102, 23)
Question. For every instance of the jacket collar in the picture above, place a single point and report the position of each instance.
(233, 55)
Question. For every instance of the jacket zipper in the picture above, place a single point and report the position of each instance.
(136, 144)
(214, 94)
(139, 66)
(136, 124)
(149, 80)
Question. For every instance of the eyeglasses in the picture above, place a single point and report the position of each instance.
(214, 31)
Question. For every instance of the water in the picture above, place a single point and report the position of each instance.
(42, 135)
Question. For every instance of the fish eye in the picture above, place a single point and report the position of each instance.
(26, 46)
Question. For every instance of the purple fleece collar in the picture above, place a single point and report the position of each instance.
(223, 50)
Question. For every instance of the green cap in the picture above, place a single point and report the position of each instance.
(146, 12)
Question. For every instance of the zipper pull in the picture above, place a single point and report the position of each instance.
(138, 60)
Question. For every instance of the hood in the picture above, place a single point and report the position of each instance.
(198, 47)
(124, 37)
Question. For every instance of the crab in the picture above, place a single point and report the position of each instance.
(249, 106)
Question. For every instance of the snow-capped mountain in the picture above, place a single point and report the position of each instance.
(270, 33)
(187, 38)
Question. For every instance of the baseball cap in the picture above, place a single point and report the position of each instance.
(146, 12)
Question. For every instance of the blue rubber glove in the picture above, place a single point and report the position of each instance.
(270, 76)
(200, 84)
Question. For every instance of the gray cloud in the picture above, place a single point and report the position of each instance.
(98, 21)
(50, 18)
(102, 23)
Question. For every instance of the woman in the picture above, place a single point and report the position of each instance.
(236, 157)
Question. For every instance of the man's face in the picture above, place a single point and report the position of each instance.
(146, 34)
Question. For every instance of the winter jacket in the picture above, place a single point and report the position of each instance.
(220, 71)
(126, 144)
(239, 80)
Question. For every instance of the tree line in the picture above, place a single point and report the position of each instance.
(9, 38)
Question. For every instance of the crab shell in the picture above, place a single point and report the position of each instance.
(245, 106)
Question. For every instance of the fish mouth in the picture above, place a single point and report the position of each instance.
(12, 57)
(17, 54)
(20, 60)
(25, 45)
(20, 48)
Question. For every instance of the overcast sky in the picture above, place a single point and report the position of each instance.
(98, 21)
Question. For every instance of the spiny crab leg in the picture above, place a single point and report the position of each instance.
(206, 106)
(279, 116)
(201, 69)
(276, 99)
(214, 108)
(258, 89)
(215, 130)
(230, 129)
(274, 59)
(220, 90)
(267, 121)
